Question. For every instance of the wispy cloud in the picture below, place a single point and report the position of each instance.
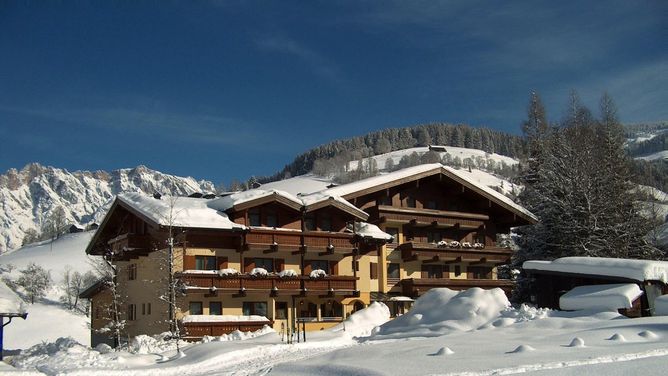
(200, 128)
(320, 65)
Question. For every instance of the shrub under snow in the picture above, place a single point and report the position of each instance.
(259, 272)
(287, 273)
(228, 272)
(318, 273)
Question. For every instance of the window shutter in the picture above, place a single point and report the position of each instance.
(374, 270)
(334, 267)
(249, 264)
(279, 265)
(307, 267)
(189, 263)
(221, 262)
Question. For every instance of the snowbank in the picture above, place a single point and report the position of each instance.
(362, 322)
(637, 270)
(442, 310)
(238, 335)
(661, 306)
(600, 297)
(64, 353)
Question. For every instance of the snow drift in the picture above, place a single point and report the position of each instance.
(442, 310)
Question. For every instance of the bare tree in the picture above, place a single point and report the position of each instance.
(107, 272)
(34, 280)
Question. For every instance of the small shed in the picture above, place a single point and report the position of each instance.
(11, 306)
(552, 279)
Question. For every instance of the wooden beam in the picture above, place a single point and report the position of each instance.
(483, 260)
(433, 259)
(457, 260)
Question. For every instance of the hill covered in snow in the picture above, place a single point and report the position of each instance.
(30, 196)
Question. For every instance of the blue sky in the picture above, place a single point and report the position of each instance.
(228, 89)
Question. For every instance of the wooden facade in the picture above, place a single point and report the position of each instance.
(444, 236)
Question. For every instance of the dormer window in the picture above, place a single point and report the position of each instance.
(272, 218)
(325, 223)
(309, 222)
(254, 217)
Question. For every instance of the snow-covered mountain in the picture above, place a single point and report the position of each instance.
(31, 195)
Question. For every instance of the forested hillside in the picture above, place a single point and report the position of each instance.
(387, 140)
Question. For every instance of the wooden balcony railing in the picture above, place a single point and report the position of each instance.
(130, 242)
(271, 283)
(428, 217)
(197, 330)
(292, 240)
(417, 286)
(429, 251)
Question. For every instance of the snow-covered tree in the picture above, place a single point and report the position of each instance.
(34, 280)
(580, 192)
(74, 283)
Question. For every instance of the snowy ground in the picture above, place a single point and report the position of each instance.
(48, 319)
(470, 333)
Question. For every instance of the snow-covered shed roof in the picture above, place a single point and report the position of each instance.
(636, 270)
(318, 200)
(10, 303)
(380, 182)
(600, 297)
(179, 211)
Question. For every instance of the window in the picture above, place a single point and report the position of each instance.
(254, 217)
(132, 272)
(132, 312)
(215, 308)
(309, 222)
(143, 309)
(205, 263)
(458, 270)
(394, 232)
(272, 218)
(195, 308)
(384, 201)
(432, 271)
(452, 206)
(480, 238)
(255, 308)
(480, 273)
(434, 237)
(265, 263)
(281, 310)
(410, 202)
(431, 205)
(373, 270)
(357, 266)
(393, 270)
(148, 308)
(98, 313)
(325, 223)
(320, 264)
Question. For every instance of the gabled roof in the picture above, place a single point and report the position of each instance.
(308, 203)
(381, 182)
(10, 303)
(255, 197)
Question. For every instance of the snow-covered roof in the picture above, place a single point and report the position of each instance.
(314, 199)
(10, 303)
(371, 231)
(661, 305)
(184, 211)
(229, 202)
(600, 297)
(299, 185)
(637, 270)
(458, 175)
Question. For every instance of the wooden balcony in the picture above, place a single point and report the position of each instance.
(428, 217)
(271, 284)
(130, 242)
(412, 251)
(417, 286)
(282, 240)
(197, 330)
